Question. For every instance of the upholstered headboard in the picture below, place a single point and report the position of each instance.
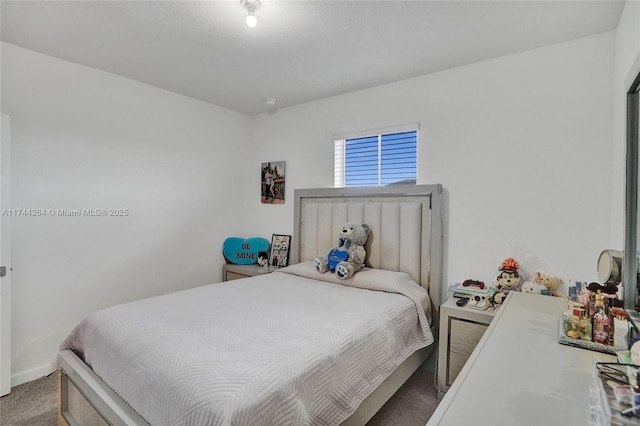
(405, 222)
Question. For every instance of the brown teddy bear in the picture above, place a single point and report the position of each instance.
(552, 283)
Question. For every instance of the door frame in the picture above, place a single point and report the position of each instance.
(5, 256)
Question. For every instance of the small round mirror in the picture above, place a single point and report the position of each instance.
(610, 267)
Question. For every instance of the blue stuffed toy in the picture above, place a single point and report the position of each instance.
(349, 255)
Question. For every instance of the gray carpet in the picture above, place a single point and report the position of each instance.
(412, 405)
(30, 404)
(34, 403)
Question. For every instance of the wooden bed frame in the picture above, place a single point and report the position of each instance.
(406, 235)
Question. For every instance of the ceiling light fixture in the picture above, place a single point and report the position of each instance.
(251, 6)
(271, 105)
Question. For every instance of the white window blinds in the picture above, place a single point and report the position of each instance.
(380, 159)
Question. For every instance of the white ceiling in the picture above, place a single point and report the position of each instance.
(300, 51)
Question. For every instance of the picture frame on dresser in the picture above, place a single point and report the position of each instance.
(280, 246)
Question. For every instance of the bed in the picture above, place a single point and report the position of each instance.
(288, 347)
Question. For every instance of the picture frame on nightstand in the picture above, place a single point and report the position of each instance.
(280, 245)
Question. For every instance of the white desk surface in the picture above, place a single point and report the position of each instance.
(519, 374)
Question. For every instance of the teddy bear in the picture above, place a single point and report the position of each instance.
(508, 280)
(549, 282)
(348, 256)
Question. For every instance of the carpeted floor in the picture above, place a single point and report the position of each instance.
(30, 404)
(412, 405)
(34, 403)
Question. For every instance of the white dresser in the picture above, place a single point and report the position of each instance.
(519, 374)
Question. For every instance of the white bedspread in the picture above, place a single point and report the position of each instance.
(278, 349)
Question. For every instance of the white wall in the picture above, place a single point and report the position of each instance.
(522, 145)
(83, 138)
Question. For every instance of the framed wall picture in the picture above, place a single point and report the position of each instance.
(280, 245)
(272, 182)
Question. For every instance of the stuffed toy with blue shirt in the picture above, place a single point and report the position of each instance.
(348, 256)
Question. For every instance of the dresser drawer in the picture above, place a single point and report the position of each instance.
(461, 328)
(233, 276)
(465, 335)
(456, 362)
(235, 272)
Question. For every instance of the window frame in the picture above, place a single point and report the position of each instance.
(339, 150)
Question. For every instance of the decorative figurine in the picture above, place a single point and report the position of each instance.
(508, 280)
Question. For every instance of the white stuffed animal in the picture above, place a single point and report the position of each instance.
(533, 287)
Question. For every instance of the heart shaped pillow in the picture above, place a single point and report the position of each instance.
(243, 251)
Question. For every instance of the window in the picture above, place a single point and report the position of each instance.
(378, 159)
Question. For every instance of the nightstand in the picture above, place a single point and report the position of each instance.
(461, 328)
(235, 272)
